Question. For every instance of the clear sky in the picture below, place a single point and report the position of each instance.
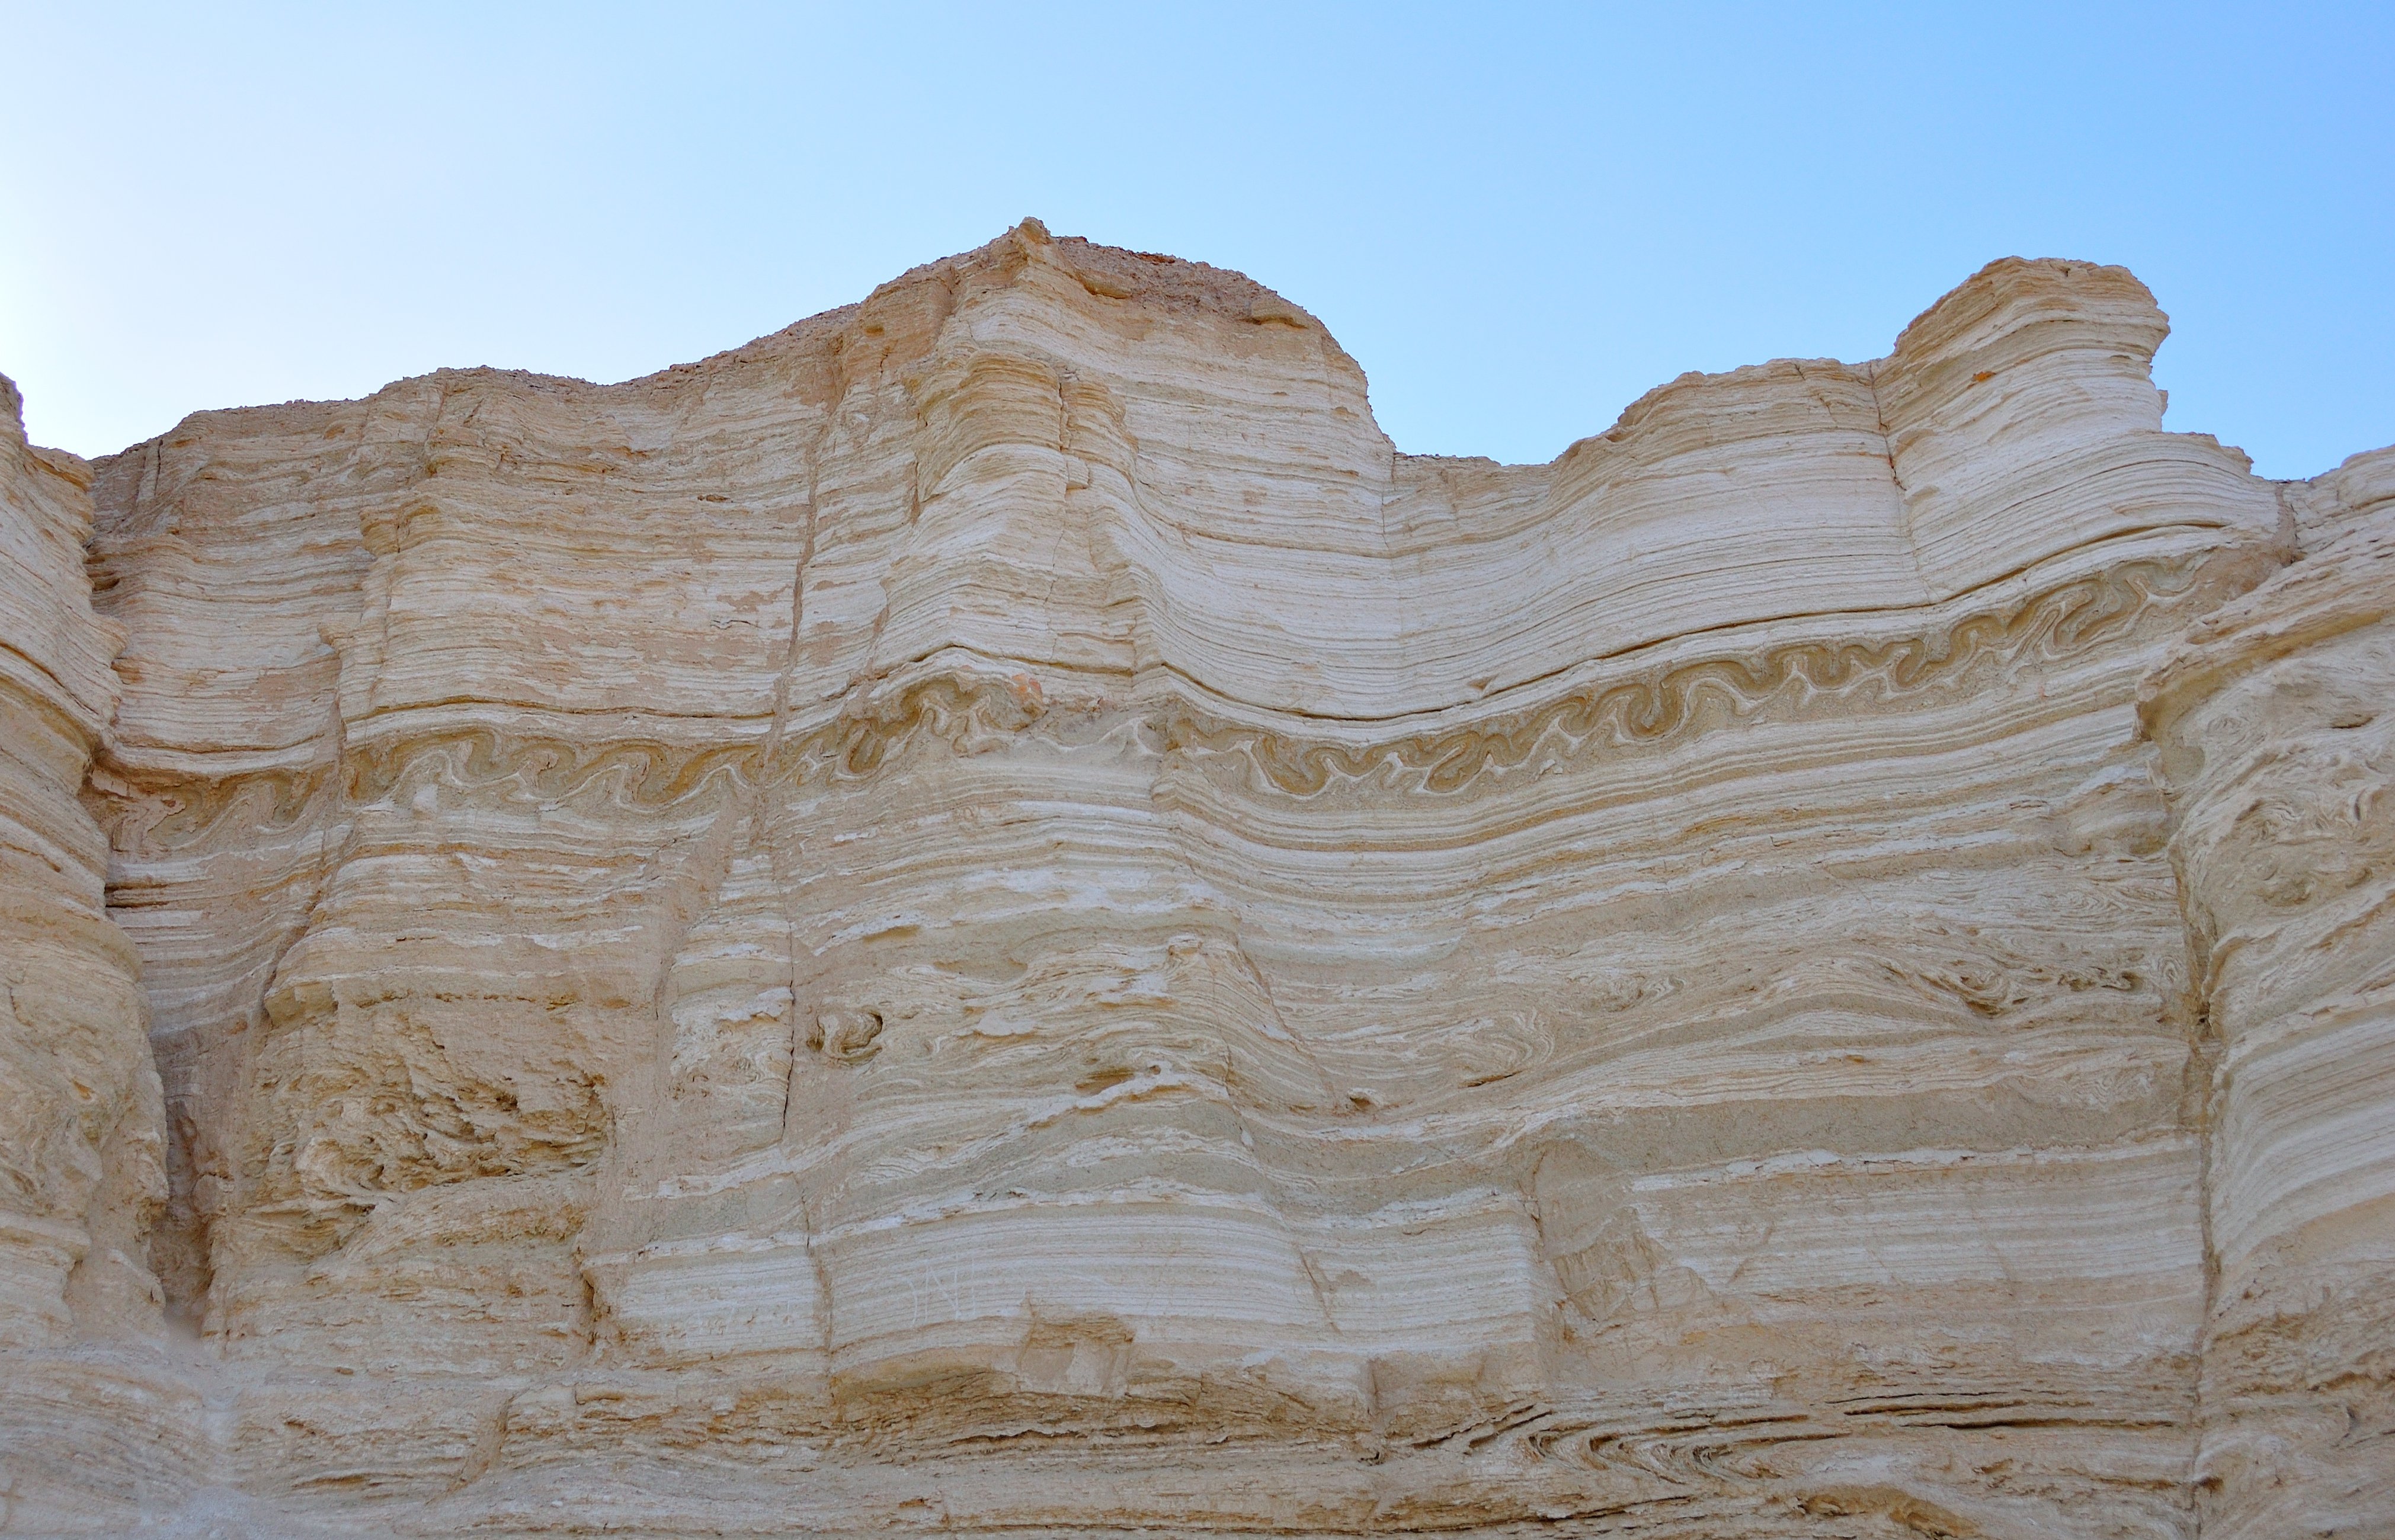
(1517, 220)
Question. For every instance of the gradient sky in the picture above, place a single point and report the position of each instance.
(1517, 220)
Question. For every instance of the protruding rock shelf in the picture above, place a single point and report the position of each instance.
(987, 914)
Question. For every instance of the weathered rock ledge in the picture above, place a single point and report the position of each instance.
(987, 914)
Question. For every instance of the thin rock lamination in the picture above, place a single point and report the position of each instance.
(988, 913)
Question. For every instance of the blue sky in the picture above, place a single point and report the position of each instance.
(1517, 220)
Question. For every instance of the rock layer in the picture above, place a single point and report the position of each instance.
(2278, 749)
(989, 912)
(79, 1129)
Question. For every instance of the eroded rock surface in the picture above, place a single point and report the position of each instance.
(988, 913)
(2276, 721)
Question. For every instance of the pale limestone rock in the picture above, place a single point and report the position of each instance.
(82, 1136)
(80, 1132)
(2277, 724)
(989, 912)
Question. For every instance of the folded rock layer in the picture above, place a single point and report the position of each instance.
(987, 914)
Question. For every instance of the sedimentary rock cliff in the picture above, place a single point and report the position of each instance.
(2276, 719)
(80, 1151)
(987, 912)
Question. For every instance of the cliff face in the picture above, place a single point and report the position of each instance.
(2278, 752)
(987, 912)
(80, 1151)
(81, 1135)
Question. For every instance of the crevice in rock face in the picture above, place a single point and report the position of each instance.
(1818, 962)
(2200, 1101)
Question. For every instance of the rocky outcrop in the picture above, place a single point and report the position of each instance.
(2278, 753)
(80, 1136)
(989, 912)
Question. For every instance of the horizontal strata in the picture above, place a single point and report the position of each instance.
(1610, 708)
(80, 1143)
(989, 911)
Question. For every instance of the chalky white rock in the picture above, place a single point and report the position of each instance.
(990, 913)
